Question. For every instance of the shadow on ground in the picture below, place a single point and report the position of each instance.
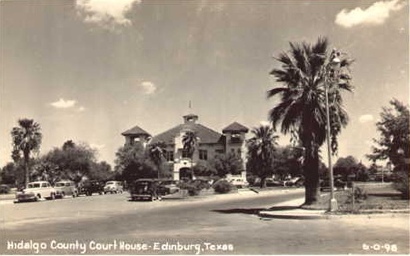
(256, 211)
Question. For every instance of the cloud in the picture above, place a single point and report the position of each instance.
(61, 103)
(366, 118)
(106, 13)
(97, 146)
(148, 87)
(81, 109)
(376, 14)
(265, 123)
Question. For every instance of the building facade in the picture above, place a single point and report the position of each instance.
(210, 143)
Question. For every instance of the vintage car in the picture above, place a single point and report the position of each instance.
(338, 184)
(144, 189)
(89, 187)
(113, 187)
(238, 182)
(295, 181)
(65, 188)
(4, 189)
(166, 187)
(35, 191)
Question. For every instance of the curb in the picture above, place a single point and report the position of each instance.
(295, 216)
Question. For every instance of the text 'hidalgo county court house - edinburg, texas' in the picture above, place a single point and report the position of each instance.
(210, 143)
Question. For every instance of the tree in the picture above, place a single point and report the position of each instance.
(10, 173)
(226, 163)
(68, 144)
(301, 111)
(132, 163)
(346, 166)
(261, 149)
(26, 138)
(286, 162)
(394, 142)
(69, 162)
(101, 171)
(156, 153)
(189, 142)
(204, 168)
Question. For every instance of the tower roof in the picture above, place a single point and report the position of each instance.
(136, 130)
(235, 127)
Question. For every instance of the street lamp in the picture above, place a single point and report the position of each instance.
(331, 69)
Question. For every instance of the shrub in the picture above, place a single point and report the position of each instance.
(194, 187)
(358, 195)
(402, 183)
(222, 187)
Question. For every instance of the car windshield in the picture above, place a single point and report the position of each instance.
(110, 183)
(59, 184)
(34, 185)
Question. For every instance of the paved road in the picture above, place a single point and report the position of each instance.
(212, 225)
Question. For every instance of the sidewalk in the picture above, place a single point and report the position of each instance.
(291, 210)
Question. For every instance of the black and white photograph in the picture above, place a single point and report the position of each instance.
(204, 127)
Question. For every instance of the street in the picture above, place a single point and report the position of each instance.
(222, 224)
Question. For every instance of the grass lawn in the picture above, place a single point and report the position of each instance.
(373, 197)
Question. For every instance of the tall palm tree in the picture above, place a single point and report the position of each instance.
(156, 153)
(301, 111)
(261, 148)
(26, 138)
(189, 142)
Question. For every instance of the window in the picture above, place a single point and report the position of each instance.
(203, 154)
(169, 155)
(239, 151)
(185, 154)
(236, 138)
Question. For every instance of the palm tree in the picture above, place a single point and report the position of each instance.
(156, 152)
(261, 148)
(189, 142)
(301, 111)
(26, 138)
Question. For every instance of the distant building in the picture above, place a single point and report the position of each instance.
(210, 143)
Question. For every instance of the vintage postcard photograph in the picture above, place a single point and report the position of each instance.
(204, 127)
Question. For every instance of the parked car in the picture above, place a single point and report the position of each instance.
(113, 187)
(36, 190)
(238, 182)
(166, 187)
(65, 188)
(295, 181)
(4, 189)
(338, 184)
(270, 182)
(144, 189)
(89, 187)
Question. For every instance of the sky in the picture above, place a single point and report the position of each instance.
(88, 70)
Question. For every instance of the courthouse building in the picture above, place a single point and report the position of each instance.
(210, 143)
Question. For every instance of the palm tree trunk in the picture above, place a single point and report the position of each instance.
(26, 172)
(311, 170)
(263, 182)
